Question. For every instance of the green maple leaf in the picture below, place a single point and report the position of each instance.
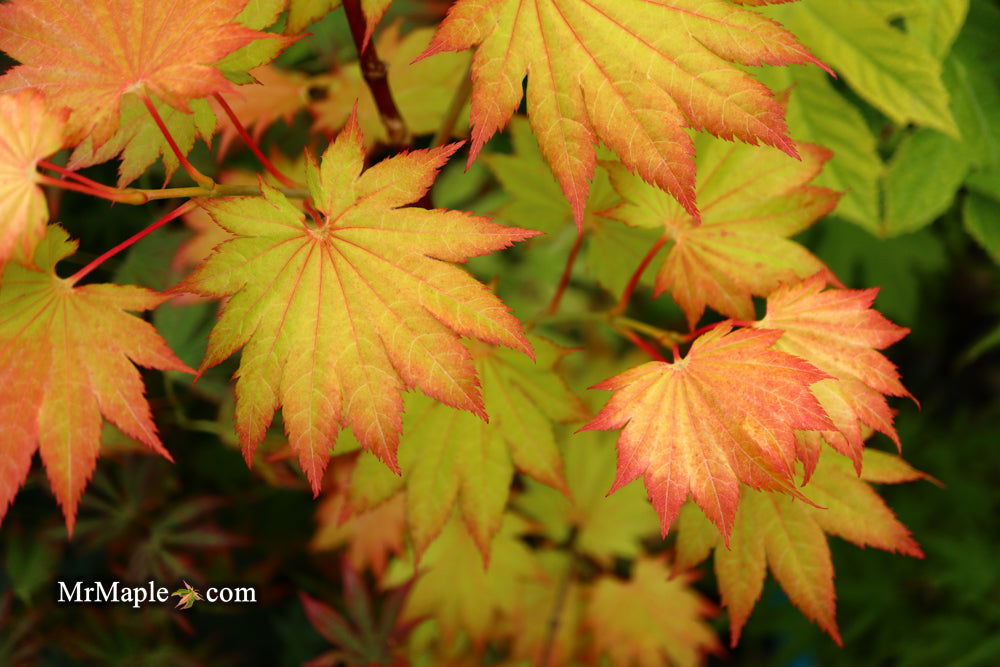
(188, 596)
(450, 458)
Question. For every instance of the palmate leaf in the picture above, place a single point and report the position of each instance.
(751, 200)
(630, 73)
(451, 459)
(789, 537)
(839, 332)
(653, 619)
(724, 414)
(66, 358)
(92, 54)
(336, 319)
(29, 131)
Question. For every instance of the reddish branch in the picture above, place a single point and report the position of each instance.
(646, 347)
(376, 76)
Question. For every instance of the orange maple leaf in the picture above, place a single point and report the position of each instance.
(87, 55)
(724, 414)
(338, 318)
(29, 131)
(66, 358)
(789, 537)
(630, 73)
(839, 332)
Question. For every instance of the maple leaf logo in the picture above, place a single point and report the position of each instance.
(188, 596)
(339, 315)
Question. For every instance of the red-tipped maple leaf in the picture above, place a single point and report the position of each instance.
(839, 332)
(751, 198)
(87, 55)
(66, 358)
(724, 414)
(630, 73)
(337, 319)
(29, 131)
(789, 537)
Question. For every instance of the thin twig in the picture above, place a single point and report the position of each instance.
(643, 345)
(121, 197)
(252, 145)
(176, 213)
(376, 76)
(69, 173)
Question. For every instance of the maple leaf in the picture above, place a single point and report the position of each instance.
(337, 319)
(91, 55)
(630, 73)
(29, 131)
(188, 596)
(450, 458)
(66, 357)
(606, 526)
(724, 414)
(751, 198)
(456, 589)
(839, 332)
(653, 619)
(422, 90)
(788, 537)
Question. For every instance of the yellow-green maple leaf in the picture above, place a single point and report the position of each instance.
(455, 587)
(751, 200)
(789, 537)
(630, 73)
(450, 458)
(607, 526)
(336, 318)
